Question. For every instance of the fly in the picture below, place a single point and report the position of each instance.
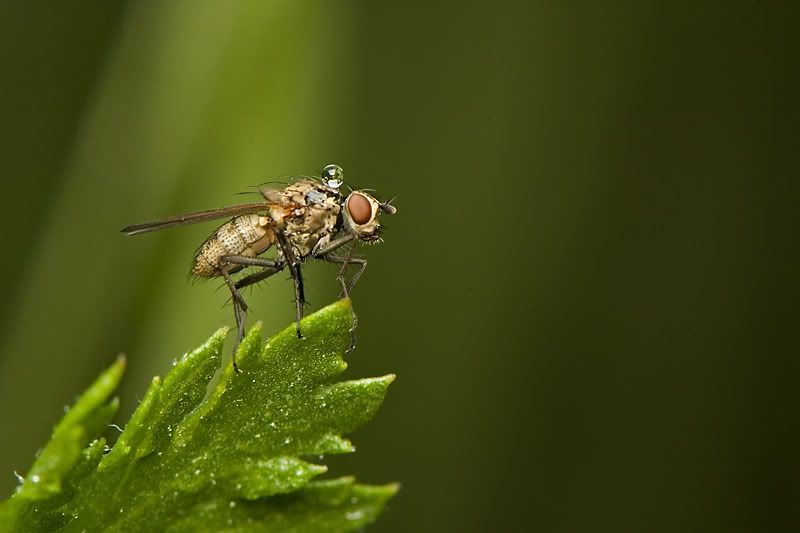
(309, 218)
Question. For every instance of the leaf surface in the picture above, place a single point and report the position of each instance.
(240, 457)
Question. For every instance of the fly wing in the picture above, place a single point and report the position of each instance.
(194, 218)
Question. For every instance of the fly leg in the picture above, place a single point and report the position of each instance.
(239, 313)
(254, 278)
(347, 286)
(345, 262)
(299, 297)
(239, 305)
(297, 276)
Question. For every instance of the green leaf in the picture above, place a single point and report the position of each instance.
(240, 457)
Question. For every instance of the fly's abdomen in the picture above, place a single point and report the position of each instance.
(243, 235)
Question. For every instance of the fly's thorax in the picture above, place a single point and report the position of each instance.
(306, 212)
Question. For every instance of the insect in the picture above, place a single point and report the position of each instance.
(309, 218)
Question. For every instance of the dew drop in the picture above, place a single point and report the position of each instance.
(354, 515)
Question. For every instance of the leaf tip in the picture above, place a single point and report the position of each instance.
(392, 488)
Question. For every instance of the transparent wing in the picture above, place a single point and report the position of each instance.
(194, 218)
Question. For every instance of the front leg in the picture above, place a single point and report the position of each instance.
(346, 286)
(325, 247)
(346, 261)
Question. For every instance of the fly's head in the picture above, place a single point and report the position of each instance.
(361, 211)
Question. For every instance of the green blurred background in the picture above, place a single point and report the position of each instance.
(588, 293)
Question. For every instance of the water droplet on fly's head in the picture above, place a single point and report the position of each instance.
(332, 176)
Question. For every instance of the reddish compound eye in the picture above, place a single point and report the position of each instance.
(359, 208)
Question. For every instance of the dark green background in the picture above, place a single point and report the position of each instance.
(588, 294)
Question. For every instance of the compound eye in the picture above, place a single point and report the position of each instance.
(359, 208)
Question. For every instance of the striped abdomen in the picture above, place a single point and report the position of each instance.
(243, 235)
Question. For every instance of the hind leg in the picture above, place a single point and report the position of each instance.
(239, 305)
